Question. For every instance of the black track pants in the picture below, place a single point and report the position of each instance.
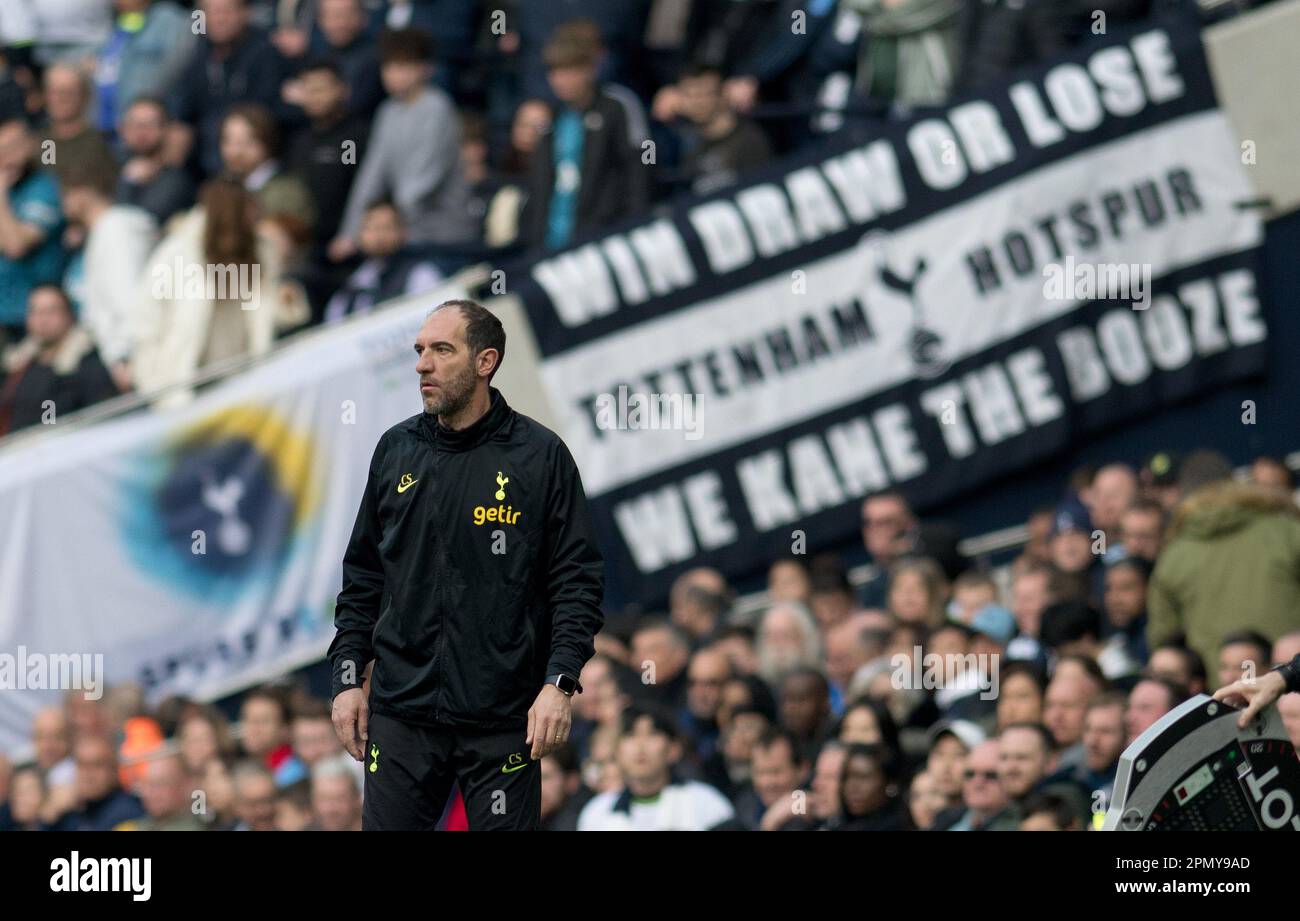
(410, 770)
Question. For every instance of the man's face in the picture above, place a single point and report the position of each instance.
(660, 647)
(322, 93)
(826, 783)
(1240, 660)
(787, 581)
(701, 97)
(1063, 708)
(1140, 533)
(446, 367)
(741, 736)
(17, 147)
(241, 151)
(844, 654)
(945, 765)
(1269, 473)
(96, 770)
(1103, 737)
(571, 84)
(336, 803)
(48, 320)
(381, 232)
(1019, 701)
(775, 772)
(263, 726)
(1022, 761)
(644, 756)
(227, 19)
(981, 787)
(885, 520)
(830, 608)
(1147, 702)
(142, 129)
(1072, 551)
(1126, 595)
(1170, 665)
(340, 21)
(163, 789)
(402, 77)
(65, 97)
(803, 704)
(1113, 490)
(314, 739)
(707, 674)
(1029, 595)
(255, 801)
(50, 738)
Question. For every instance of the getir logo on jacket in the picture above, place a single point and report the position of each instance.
(502, 514)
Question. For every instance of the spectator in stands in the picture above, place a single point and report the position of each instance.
(1104, 739)
(1124, 651)
(1178, 665)
(204, 736)
(1112, 491)
(312, 733)
(391, 268)
(74, 141)
(1269, 471)
(1027, 765)
(165, 793)
(1065, 704)
(730, 767)
(104, 276)
(1141, 529)
(849, 646)
(563, 795)
(146, 179)
(1243, 654)
(1232, 563)
(335, 795)
(1159, 479)
(697, 602)
(985, 805)
(908, 54)
(707, 675)
(651, 799)
(264, 717)
(293, 810)
(924, 802)
(102, 804)
(1032, 590)
(149, 48)
(971, 591)
(55, 370)
(1047, 812)
(184, 328)
(413, 156)
(1038, 544)
(250, 143)
(869, 794)
(720, 146)
(587, 174)
(341, 36)
(949, 745)
(1020, 694)
(777, 769)
(1150, 699)
(805, 708)
(234, 62)
(918, 592)
(787, 580)
(27, 793)
(31, 224)
(254, 797)
(1072, 628)
(891, 531)
(660, 653)
(1073, 548)
(326, 151)
(70, 30)
(787, 640)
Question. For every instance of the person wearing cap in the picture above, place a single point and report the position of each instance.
(949, 744)
(586, 173)
(1072, 545)
(1232, 563)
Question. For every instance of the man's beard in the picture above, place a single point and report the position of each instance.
(453, 396)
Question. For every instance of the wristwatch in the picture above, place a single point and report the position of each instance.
(567, 684)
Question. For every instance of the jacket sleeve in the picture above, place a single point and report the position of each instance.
(357, 607)
(1164, 619)
(575, 579)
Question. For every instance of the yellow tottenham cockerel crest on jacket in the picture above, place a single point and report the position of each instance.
(502, 514)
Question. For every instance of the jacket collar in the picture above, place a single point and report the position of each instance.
(453, 440)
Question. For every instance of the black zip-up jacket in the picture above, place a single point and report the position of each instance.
(472, 572)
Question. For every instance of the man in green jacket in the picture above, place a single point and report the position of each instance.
(1233, 563)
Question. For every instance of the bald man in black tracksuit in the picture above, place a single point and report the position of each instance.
(473, 581)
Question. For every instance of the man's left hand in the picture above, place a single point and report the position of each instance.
(549, 720)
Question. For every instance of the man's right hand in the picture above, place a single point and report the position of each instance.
(351, 717)
(1255, 693)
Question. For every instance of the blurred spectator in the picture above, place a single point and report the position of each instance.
(849, 646)
(1141, 529)
(31, 224)
(869, 794)
(787, 640)
(651, 799)
(27, 791)
(949, 745)
(72, 141)
(335, 795)
(918, 592)
(254, 797)
(830, 596)
(620, 24)
(529, 128)
(342, 37)
(391, 269)
(777, 769)
(890, 531)
(1073, 545)
(805, 708)
(971, 591)
(908, 50)
(1047, 812)
(165, 792)
(985, 805)
(1269, 471)
(204, 737)
(1232, 563)
(313, 736)
(1026, 765)
(719, 145)
(54, 370)
(1020, 694)
(1159, 479)
(730, 767)
(293, 810)
(1104, 740)
(563, 795)
(660, 654)
(1243, 654)
(924, 801)
(104, 276)
(1032, 590)
(586, 175)
(1178, 665)
(250, 144)
(697, 602)
(1125, 649)
(148, 49)
(707, 675)
(102, 804)
(787, 580)
(234, 62)
(264, 720)
(1038, 543)
(1064, 705)
(1072, 628)
(1150, 699)
(70, 30)
(229, 312)
(413, 155)
(1113, 489)
(146, 179)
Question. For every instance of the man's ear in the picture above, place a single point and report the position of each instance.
(487, 361)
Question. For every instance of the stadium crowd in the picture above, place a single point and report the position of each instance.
(182, 184)
(941, 694)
